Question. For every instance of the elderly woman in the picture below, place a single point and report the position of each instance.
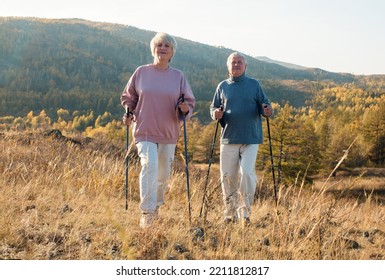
(153, 95)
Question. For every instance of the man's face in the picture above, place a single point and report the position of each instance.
(236, 66)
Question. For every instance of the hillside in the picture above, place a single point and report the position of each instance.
(285, 64)
(82, 65)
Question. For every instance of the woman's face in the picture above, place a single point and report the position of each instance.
(163, 51)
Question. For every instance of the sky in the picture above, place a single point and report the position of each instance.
(335, 35)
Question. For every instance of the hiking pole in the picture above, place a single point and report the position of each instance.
(127, 142)
(210, 161)
(272, 161)
(186, 159)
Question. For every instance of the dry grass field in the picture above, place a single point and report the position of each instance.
(65, 200)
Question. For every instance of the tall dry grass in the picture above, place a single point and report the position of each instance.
(62, 200)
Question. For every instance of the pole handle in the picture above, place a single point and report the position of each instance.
(183, 100)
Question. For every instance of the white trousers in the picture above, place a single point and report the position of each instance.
(155, 160)
(239, 181)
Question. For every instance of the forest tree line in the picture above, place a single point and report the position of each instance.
(306, 141)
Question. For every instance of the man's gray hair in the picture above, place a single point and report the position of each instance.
(163, 37)
(236, 54)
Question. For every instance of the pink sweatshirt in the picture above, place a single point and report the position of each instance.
(153, 96)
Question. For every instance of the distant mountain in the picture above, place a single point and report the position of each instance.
(82, 65)
(284, 64)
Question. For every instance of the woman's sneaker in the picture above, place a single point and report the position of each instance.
(147, 219)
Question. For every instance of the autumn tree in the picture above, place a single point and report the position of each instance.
(41, 120)
(103, 120)
(295, 144)
(374, 131)
(80, 123)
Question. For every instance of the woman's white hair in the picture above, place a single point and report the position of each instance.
(166, 38)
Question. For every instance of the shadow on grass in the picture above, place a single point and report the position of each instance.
(360, 195)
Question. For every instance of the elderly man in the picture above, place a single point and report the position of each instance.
(243, 102)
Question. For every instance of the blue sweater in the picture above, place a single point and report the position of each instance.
(242, 98)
